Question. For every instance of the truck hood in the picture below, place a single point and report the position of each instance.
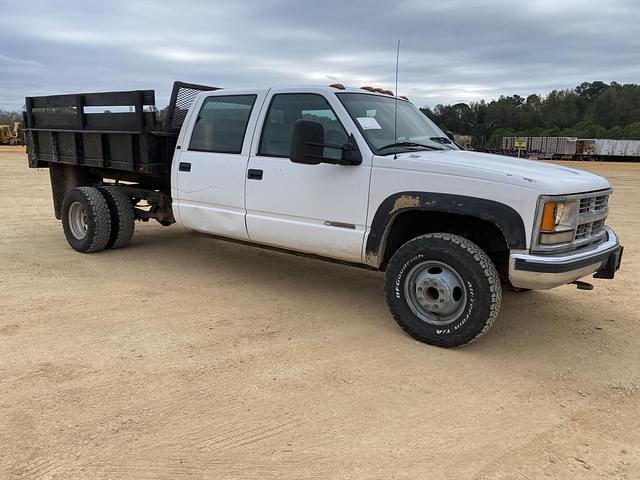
(533, 174)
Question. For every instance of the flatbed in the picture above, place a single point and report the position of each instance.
(83, 129)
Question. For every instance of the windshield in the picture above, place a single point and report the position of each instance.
(374, 116)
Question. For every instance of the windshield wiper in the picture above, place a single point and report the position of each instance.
(443, 140)
(410, 144)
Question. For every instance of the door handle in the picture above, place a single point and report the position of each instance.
(254, 174)
(184, 166)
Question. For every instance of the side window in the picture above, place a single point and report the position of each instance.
(285, 110)
(222, 123)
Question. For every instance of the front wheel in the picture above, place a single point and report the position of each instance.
(443, 290)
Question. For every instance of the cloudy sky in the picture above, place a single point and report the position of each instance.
(451, 50)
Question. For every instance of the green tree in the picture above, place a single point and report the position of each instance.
(591, 90)
(10, 117)
(632, 131)
(591, 110)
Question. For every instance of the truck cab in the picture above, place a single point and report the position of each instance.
(241, 182)
(361, 176)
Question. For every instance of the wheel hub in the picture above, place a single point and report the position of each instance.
(435, 292)
(78, 220)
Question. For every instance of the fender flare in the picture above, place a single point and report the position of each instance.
(508, 220)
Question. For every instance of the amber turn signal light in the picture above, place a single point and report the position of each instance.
(548, 217)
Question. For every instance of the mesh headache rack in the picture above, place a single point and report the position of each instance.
(110, 130)
(182, 98)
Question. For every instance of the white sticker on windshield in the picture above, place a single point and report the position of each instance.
(369, 123)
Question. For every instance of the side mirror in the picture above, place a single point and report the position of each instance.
(451, 135)
(307, 142)
(308, 146)
(350, 153)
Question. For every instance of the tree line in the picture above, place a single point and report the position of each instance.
(590, 110)
(10, 117)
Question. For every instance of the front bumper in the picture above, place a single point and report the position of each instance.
(541, 272)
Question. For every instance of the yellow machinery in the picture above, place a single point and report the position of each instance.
(9, 135)
(17, 133)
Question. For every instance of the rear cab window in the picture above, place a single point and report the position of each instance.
(221, 124)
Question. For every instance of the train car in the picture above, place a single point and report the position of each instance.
(585, 148)
(507, 144)
(541, 147)
(567, 146)
(535, 144)
(572, 148)
(632, 148)
(604, 147)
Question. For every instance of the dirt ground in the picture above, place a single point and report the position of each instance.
(185, 357)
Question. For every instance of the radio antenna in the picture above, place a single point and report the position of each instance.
(395, 113)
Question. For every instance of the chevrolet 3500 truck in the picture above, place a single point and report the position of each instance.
(355, 175)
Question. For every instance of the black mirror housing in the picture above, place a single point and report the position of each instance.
(350, 153)
(307, 146)
(307, 142)
(450, 135)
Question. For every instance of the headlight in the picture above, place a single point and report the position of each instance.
(558, 220)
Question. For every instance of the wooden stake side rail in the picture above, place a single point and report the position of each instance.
(117, 132)
(142, 152)
(59, 129)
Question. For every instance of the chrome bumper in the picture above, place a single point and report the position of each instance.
(541, 272)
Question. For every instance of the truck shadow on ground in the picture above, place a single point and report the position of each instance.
(528, 320)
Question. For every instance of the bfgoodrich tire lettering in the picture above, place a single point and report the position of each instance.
(481, 283)
(91, 233)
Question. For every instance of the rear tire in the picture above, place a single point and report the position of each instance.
(122, 216)
(86, 220)
(443, 289)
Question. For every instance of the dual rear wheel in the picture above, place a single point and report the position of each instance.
(97, 218)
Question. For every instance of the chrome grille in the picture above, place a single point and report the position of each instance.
(582, 231)
(593, 204)
(593, 210)
(597, 227)
(590, 229)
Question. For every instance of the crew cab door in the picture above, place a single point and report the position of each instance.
(319, 209)
(209, 177)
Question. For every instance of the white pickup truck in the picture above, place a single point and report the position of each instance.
(350, 174)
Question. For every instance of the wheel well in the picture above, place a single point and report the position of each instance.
(413, 223)
(65, 177)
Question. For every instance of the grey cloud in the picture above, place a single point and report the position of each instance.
(451, 51)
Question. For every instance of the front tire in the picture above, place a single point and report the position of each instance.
(86, 219)
(443, 289)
